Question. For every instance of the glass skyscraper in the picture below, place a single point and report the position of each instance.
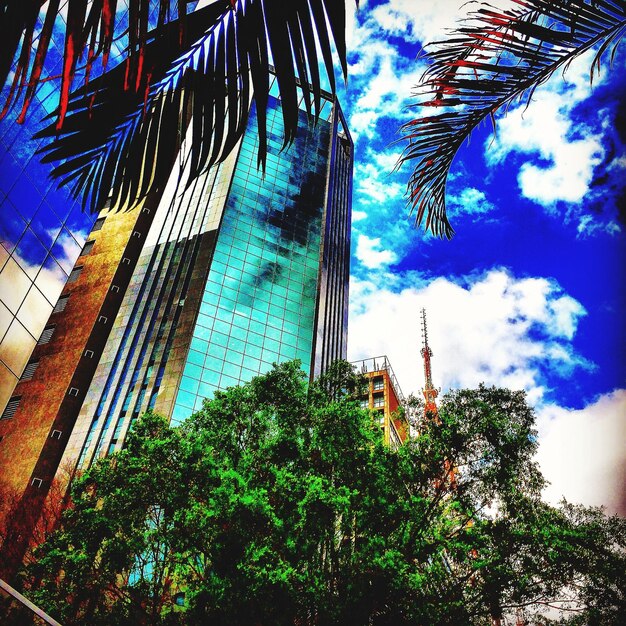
(42, 231)
(192, 291)
(195, 289)
(275, 288)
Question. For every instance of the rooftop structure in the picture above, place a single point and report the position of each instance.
(384, 397)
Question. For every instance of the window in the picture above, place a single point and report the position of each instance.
(73, 391)
(89, 354)
(102, 319)
(56, 434)
(11, 407)
(36, 482)
(61, 304)
(378, 383)
(87, 247)
(126, 261)
(98, 224)
(136, 233)
(365, 403)
(46, 335)
(145, 210)
(115, 288)
(29, 370)
(74, 274)
(379, 400)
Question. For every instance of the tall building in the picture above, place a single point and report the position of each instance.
(384, 397)
(190, 292)
(42, 231)
(42, 228)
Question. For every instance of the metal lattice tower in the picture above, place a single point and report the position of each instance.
(429, 391)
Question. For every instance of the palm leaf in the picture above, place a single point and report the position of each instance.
(131, 143)
(495, 58)
(90, 29)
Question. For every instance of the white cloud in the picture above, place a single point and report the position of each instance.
(421, 20)
(385, 93)
(570, 151)
(582, 452)
(357, 216)
(480, 330)
(369, 253)
(587, 227)
(380, 76)
(470, 201)
(373, 181)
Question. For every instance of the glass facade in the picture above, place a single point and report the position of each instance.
(42, 229)
(240, 270)
(259, 302)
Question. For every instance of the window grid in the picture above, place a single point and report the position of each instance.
(11, 408)
(29, 370)
(259, 300)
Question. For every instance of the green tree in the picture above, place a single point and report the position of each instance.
(277, 503)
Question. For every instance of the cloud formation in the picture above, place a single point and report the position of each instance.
(561, 156)
(568, 153)
(493, 328)
(369, 253)
(470, 201)
(582, 452)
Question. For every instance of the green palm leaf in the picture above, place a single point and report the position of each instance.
(495, 58)
(121, 142)
(82, 29)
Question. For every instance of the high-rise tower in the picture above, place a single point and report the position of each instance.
(195, 290)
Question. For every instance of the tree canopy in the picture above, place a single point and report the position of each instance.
(278, 503)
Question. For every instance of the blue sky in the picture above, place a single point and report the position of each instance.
(529, 293)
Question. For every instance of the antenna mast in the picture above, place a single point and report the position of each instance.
(430, 393)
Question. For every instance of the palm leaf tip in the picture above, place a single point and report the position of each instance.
(212, 82)
(493, 59)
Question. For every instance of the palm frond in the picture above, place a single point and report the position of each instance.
(89, 29)
(495, 58)
(121, 143)
(130, 145)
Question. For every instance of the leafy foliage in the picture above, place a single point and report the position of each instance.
(117, 137)
(278, 504)
(497, 57)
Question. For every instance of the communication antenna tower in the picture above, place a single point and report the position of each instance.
(429, 391)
